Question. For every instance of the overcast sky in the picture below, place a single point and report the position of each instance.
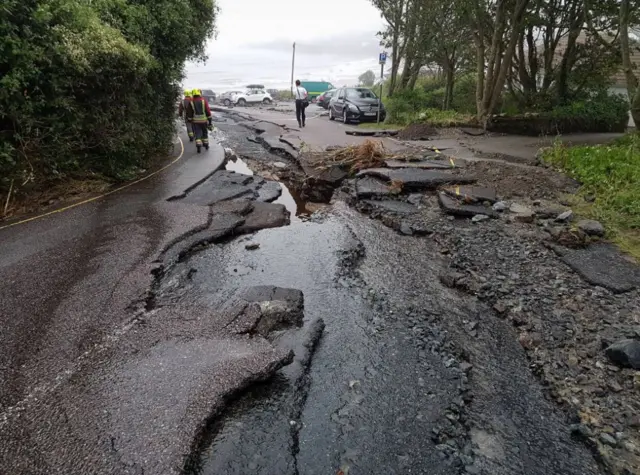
(335, 41)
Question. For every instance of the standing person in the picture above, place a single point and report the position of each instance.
(200, 115)
(300, 95)
(182, 112)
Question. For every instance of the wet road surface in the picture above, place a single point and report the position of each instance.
(98, 377)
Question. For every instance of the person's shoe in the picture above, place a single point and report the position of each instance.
(299, 124)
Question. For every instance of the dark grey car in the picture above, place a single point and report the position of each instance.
(356, 104)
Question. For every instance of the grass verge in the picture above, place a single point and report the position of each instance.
(609, 173)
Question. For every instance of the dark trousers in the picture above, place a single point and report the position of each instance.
(300, 112)
(202, 133)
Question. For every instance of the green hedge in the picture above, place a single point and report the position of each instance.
(601, 113)
(92, 86)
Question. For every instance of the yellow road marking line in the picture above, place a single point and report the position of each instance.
(89, 200)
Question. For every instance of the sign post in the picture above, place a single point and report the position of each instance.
(382, 59)
(293, 62)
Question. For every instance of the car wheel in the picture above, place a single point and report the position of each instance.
(227, 102)
(266, 100)
(344, 117)
(331, 117)
(242, 102)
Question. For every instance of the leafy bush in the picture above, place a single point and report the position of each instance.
(601, 113)
(464, 94)
(92, 86)
(610, 173)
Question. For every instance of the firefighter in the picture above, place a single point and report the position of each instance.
(182, 112)
(200, 115)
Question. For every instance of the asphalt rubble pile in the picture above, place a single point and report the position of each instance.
(572, 298)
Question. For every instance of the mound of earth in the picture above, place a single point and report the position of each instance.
(417, 132)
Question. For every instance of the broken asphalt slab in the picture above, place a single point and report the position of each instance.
(369, 187)
(226, 185)
(424, 164)
(144, 401)
(472, 194)
(602, 264)
(276, 146)
(456, 208)
(412, 178)
(292, 140)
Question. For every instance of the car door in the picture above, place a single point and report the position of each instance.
(338, 104)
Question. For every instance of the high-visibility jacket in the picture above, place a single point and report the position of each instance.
(183, 106)
(199, 111)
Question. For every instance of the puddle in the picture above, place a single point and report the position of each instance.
(292, 201)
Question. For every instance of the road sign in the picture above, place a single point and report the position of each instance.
(383, 58)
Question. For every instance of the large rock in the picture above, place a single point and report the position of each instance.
(591, 227)
(625, 353)
(455, 208)
(417, 179)
(521, 213)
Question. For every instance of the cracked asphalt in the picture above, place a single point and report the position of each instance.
(147, 335)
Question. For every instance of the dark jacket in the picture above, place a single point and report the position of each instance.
(183, 106)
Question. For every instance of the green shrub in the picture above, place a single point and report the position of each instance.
(92, 86)
(601, 113)
(464, 94)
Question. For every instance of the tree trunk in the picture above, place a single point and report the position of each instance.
(632, 81)
(449, 83)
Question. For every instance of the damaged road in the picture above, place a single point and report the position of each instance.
(292, 319)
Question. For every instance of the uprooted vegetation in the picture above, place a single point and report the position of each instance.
(369, 154)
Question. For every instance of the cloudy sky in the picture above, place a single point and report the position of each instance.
(335, 41)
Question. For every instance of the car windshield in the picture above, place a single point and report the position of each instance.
(360, 93)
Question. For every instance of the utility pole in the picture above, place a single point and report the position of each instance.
(293, 63)
(382, 60)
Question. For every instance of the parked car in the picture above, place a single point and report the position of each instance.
(209, 95)
(355, 104)
(324, 98)
(251, 96)
(225, 97)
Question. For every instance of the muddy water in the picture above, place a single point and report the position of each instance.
(296, 206)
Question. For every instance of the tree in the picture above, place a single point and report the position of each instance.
(601, 24)
(394, 13)
(92, 86)
(367, 79)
